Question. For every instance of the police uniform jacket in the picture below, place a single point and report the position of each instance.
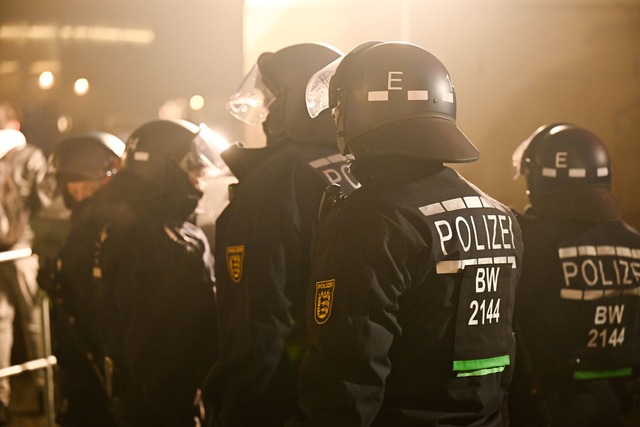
(262, 250)
(154, 282)
(76, 328)
(577, 311)
(410, 303)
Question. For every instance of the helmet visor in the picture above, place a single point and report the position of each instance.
(250, 103)
(518, 157)
(203, 159)
(317, 93)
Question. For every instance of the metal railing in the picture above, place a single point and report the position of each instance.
(49, 360)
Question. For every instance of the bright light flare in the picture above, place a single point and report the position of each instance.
(46, 80)
(81, 87)
(196, 102)
(64, 123)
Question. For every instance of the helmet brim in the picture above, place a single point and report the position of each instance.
(433, 137)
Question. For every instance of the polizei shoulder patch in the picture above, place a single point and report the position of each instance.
(324, 300)
(235, 257)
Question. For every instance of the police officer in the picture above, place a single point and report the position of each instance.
(263, 239)
(413, 275)
(577, 304)
(154, 278)
(81, 165)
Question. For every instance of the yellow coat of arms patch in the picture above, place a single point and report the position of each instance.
(324, 300)
(235, 257)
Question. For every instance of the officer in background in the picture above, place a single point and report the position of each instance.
(577, 314)
(19, 299)
(414, 274)
(154, 276)
(81, 165)
(263, 239)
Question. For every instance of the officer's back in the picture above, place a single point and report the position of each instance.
(577, 304)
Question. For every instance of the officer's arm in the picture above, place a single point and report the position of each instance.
(351, 309)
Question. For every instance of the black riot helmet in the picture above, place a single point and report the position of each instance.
(393, 98)
(91, 156)
(273, 93)
(558, 156)
(162, 152)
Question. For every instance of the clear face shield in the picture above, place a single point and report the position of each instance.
(203, 159)
(518, 157)
(317, 93)
(250, 103)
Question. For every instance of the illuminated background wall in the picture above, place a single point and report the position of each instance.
(516, 64)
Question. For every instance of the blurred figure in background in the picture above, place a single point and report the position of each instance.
(153, 276)
(27, 166)
(263, 239)
(577, 305)
(413, 275)
(81, 165)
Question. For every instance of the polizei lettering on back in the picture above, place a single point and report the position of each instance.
(602, 274)
(474, 234)
(492, 232)
(474, 239)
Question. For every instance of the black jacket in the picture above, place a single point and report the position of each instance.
(410, 303)
(76, 329)
(577, 311)
(262, 250)
(154, 284)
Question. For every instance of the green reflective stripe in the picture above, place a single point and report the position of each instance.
(590, 375)
(480, 372)
(477, 364)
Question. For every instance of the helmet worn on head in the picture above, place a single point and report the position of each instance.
(562, 155)
(90, 156)
(273, 92)
(397, 98)
(161, 151)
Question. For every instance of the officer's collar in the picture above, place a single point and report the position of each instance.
(242, 161)
(592, 203)
(392, 168)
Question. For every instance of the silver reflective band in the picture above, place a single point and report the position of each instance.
(317, 93)
(250, 103)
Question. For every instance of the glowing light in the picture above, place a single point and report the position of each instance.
(78, 32)
(46, 80)
(173, 109)
(64, 124)
(196, 102)
(81, 87)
